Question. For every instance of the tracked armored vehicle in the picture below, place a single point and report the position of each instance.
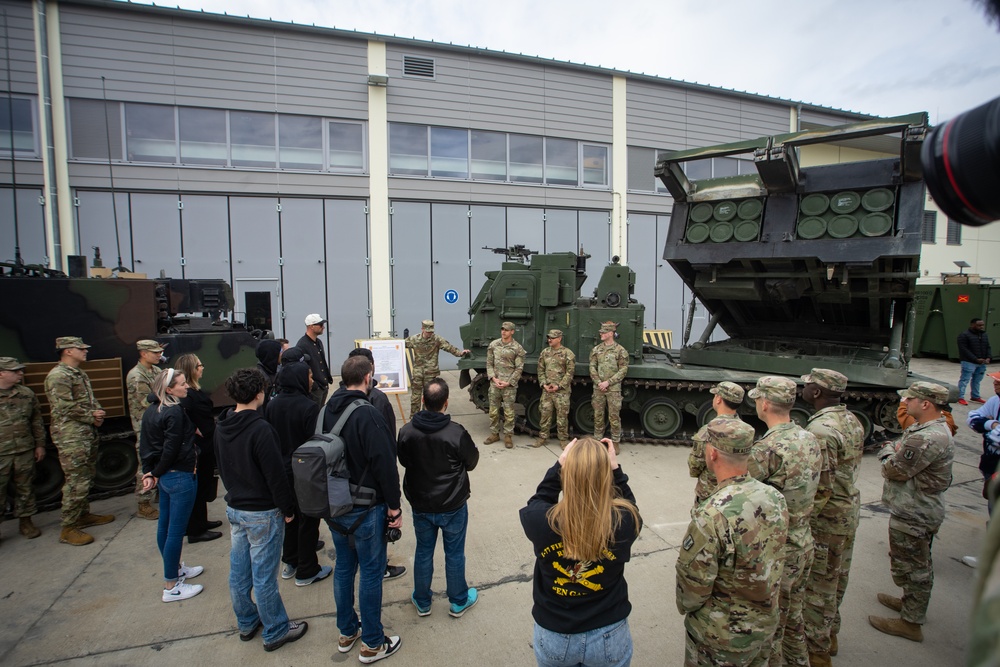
(801, 267)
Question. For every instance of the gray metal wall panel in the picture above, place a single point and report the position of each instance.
(650, 203)
(761, 119)
(487, 227)
(577, 105)
(510, 96)
(411, 268)
(348, 280)
(449, 271)
(30, 234)
(643, 256)
(21, 32)
(253, 224)
(655, 115)
(560, 231)
(496, 193)
(303, 274)
(595, 237)
(156, 234)
(205, 237)
(526, 227)
(95, 226)
(829, 119)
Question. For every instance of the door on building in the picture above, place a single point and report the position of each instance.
(411, 266)
(348, 278)
(303, 266)
(449, 274)
(205, 237)
(255, 248)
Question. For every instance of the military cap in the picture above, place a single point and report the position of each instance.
(10, 364)
(508, 326)
(66, 342)
(728, 435)
(776, 389)
(827, 379)
(427, 325)
(148, 346)
(315, 318)
(609, 326)
(554, 333)
(926, 391)
(730, 391)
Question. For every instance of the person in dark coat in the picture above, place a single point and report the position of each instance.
(312, 345)
(268, 354)
(974, 352)
(198, 406)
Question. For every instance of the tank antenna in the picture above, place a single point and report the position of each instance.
(111, 175)
(18, 269)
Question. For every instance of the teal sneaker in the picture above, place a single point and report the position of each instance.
(457, 611)
(421, 611)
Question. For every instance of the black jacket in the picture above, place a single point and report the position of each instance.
(198, 406)
(382, 403)
(166, 440)
(292, 412)
(250, 465)
(438, 455)
(974, 345)
(368, 445)
(317, 360)
(268, 352)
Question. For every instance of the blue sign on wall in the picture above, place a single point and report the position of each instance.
(451, 296)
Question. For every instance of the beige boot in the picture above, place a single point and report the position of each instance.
(833, 643)
(73, 535)
(540, 442)
(147, 511)
(891, 602)
(89, 519)
(28, 529)
(897, 627)
(494, 437)
(508, 441)
(819, 660)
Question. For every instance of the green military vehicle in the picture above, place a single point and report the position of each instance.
(802, 267)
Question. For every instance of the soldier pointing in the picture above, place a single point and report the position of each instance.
(426, 347)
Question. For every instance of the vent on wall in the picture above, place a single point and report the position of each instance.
(416, 66)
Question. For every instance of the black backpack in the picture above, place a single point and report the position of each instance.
(319, 468)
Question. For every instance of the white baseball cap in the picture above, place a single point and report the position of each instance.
(315, 318)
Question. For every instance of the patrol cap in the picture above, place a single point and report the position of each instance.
(609, 327)
(827, 379)
(508, 326)
(66, 342)
(926, 391)
(730, 391)
(315, 318)
(10, 364)
(427, 325)
(776, 389)
(728, 435)
(149, 346)
(554, 333)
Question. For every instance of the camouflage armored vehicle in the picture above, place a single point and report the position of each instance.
(802, 267)
(111, 314)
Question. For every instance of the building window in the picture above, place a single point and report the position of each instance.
(725, 166)
(407, 149)
(20, 109)
(954, 233)
(347, 146)
(300, 142)
(203, 136)
(252, 137)
(928, 232)
(595, 165)
(526, 158)
(561, 160)
(489, 155)
(449, 153)
(150, 133)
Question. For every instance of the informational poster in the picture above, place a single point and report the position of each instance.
(390, 364)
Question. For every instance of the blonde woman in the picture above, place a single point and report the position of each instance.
(581, 544)
(169, 457)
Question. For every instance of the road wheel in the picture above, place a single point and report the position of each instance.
(660, 418)
(116, 464)
(583, 416)
(49, 479)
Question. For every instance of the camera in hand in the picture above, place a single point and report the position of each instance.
(392, 534)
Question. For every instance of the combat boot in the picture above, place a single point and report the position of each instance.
(494, 437)
(891, 602)
(73, 535)
(508, 441)
(28, 529)
(833, 643)
(540, 442)
(897, 627)
(820, 660)
(617, 448)
(147, 511)
(89, 519)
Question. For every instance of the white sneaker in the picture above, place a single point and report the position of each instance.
(185, 572)
(181, 591)
(287, 571)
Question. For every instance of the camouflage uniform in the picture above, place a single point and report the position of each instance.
(425, 362)
(72, 401)
(21, 432)
(835, 514)
(788, 458)
(984, 643)
(729, 566)
(504, 361)
(138, 384)
(705, 486)
(608, 363)
(917, 471)
(556, 366)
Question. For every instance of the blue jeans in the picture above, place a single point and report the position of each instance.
(453, 526)
(253, 564)
(177, 492)
(610, 646)
(973, 371)
(368, 554)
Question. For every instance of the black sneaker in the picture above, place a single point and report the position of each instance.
(296, 629)
(389, 646)
(250, 634)
(393, 572)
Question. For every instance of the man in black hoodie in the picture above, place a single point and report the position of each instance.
(293, 414)
(268, 353)
(260, 504)
(359, 535)
(438, 455)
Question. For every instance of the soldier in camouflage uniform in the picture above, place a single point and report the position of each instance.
(726, 399)
(504, 365)
(76, 416)
(138, 384)
(608, 367)
(426, 347)
(788, 458)
(22, 442)
(917, 471)
(835, 511)
(984, 644)
(729, 564)
(556, 365)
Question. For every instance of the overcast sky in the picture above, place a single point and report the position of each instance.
(882, 57)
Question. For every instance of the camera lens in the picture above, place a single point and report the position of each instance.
(961, 161)
(392, 534)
